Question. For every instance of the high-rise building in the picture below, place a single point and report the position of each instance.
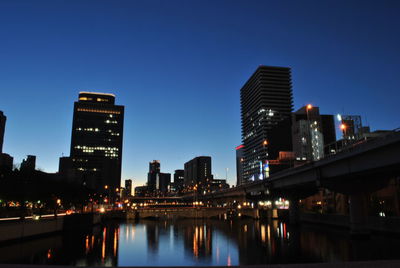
(266, 106)
(128, 187)
(96, 142)
(239, 165)
(163, 182)
(198, 170)
(154, 172)
(3, 119)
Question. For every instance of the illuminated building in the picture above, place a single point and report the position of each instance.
(198, 170)
(96, 142)
(266, 106)
(3, 119)
(239, 165)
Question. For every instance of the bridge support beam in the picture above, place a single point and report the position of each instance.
(294, 211)
(358, 214)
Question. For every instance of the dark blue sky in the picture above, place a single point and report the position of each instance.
(178, 67)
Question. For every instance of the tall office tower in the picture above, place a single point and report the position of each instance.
(96, 143)
(3, 119)
(266, 106)
(154, 172)
(239, 165)
(128, 187)
(198, 170)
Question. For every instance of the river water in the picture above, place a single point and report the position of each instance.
(199, 242)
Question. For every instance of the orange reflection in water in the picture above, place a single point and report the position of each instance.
(103, 246)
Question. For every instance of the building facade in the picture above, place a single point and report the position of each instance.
(96, 142)
(153, 175)
(266, 107)
(128, 187)
(3, 119)
(239, 165)
(197, 170)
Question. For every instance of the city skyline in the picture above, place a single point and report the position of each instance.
(192, 106)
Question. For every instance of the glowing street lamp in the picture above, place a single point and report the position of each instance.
(309, 107)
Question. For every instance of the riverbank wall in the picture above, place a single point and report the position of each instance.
(30, 228)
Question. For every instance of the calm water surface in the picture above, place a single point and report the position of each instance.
(198, 242)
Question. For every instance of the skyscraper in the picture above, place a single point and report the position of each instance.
(266, 106)
(198, 170)
(154, 173)
(3, 119)
(96, 142)
(128, 187)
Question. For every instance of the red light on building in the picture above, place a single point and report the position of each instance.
(239, 147)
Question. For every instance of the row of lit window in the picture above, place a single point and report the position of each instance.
(88, 129)
(97, 148)
(111, 121)
(98, 111)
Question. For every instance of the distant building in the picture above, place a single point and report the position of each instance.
(28, 164)
(266, 106)
(6, 163)
(352, 127)
(217, 185)
(239, 165)
(163, 182)
(179, 179)
(3, 119)
(311, 132)
(141, 191)
(197, 170)
(154, 171)
(328, 130)
(96, 143)
(128, 187)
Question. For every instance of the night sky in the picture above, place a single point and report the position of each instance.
(178, 67)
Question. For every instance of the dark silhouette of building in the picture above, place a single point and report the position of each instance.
(141, 191)
(239, 165)
(163, 181)
(179, 179)
(96, 142)
(128, 187)
(198, 170)
(28, 164)
(6, 163)
(3, 119)
(154, 171)
(266, 106)
(328, 130)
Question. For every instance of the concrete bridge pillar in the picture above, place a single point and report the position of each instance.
(358, 209)
(294, 211)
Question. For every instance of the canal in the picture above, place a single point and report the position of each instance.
(199, 242)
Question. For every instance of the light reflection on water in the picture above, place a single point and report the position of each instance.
(198, 242)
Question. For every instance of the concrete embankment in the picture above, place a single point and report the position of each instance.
(27, 228)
